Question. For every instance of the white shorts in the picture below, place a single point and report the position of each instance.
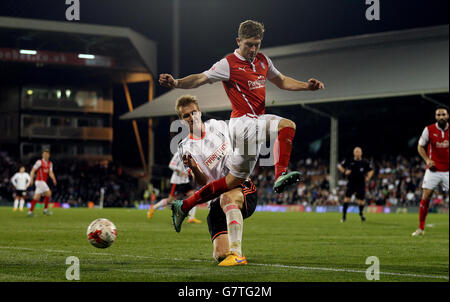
(41, 187)
(248, 136)
(432, 180)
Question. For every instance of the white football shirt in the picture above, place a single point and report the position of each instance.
(212, 152)
(21, 180)
(177, 165)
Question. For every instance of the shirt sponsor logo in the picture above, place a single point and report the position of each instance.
(443, 144)
(258, 83)
(215, 158)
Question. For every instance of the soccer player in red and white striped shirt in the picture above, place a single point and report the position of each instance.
(433, 148)
(244, 74)
(43, 168)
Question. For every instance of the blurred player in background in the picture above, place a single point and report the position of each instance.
(180, 185)
(43, 168)
(433, 148)
(244, 74)
(20, 181)
(358, 171)
(206, 153)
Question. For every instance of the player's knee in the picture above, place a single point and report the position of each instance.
(233, 197)
(426, 194)
(226, 199)
(285, 123)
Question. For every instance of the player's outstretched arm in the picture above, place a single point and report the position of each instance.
(288, 83)
(191, 81)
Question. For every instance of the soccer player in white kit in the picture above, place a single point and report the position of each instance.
(21, 181)
(207, 151)
(180, 184)
(43, 168)
(435, 138)
(244, 74)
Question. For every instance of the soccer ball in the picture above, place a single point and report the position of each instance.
(101, 233)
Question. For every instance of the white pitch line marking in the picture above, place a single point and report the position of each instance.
(251, 264)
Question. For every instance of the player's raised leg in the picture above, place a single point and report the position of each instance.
(282, 154)
(180, 208)
(193, 211)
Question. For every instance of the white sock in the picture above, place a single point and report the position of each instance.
(22, 202)
(162, 203)
(192, 212)
(16, 203)
(235, 225)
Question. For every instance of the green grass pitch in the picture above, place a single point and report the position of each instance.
(289, 247)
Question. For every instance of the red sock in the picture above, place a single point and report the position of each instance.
(208, 192)
(282, 150)
(46, 200)
(33, 204)
(172, 190)
(423, 211)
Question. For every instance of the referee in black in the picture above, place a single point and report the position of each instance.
(358, 171)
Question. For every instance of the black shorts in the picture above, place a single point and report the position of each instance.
(20, 193)
(217, 221)
(183, 188)
(358, 188)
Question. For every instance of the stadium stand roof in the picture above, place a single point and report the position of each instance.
(397, 63)
(131, 51)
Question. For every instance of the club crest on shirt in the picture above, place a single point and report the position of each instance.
(262, 65)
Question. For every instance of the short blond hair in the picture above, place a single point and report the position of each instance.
(251, 29)
(183, 101)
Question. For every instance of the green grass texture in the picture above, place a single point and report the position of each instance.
(280, 247)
